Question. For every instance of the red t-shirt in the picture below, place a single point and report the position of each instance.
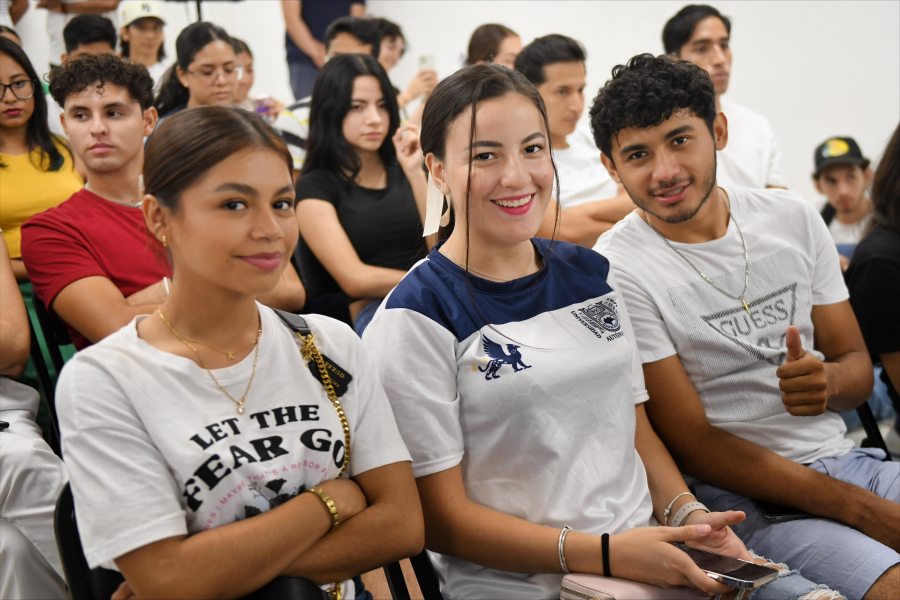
(88, 236)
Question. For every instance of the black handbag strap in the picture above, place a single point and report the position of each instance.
(294, 322)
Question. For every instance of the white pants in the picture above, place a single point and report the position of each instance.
(31, 479)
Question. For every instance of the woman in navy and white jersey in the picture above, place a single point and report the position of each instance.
(510, 366)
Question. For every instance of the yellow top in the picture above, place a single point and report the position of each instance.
(26, 190)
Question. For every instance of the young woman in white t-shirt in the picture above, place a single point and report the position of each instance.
(191, 434)
(519, 399)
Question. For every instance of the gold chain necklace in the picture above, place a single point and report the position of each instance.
(238, 402)
(742, 297)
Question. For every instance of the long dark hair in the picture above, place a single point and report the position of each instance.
(188, 144)
(192, 39)
(462, 92)
(37, 133)
(886, 186)
(332, 95)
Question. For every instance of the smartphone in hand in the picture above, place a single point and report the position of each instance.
(733, 572)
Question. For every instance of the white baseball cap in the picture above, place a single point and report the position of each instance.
(132, 10)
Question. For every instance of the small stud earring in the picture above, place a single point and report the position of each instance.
(163, 241)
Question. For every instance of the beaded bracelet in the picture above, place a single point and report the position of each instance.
(329, 504)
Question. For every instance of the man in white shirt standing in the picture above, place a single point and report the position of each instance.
(748, 343)
(590, 202)
(702, 35)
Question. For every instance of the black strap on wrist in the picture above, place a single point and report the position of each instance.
(604, 548)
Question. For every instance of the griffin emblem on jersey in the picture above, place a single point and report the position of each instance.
(499, 357)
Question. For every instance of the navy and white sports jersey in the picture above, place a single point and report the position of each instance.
(530, 386)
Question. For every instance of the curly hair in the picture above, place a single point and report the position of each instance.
(647, 91)
(100, 69)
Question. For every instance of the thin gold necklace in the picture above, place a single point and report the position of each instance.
(742, 297)
(534, 265)
(238, 402)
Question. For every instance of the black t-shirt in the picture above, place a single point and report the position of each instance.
(873, 278)
(383, 225)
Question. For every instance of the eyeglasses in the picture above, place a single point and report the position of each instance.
(228, 72)
(23, 89)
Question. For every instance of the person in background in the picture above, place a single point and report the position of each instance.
(266, 106)
(305, 24)
(702, 35)
(843, 176)
(873, 278)
(94, 264)
(361, 196)
(494, 43)
(205, 73)
(36, 168)
(347, 35)
(84, 34)
(60, 12)
(391, 50)
(11, 11)
(31, 475)
(590, 202)
(201, 491)
(141, 35)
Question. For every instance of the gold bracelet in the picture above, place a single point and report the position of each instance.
(329, 504)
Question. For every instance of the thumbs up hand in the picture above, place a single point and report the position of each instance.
(802, 379)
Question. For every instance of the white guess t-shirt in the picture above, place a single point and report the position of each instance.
(530, 387)
(731, 354)
(154, 449)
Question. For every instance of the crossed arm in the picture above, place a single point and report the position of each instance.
(294, 539)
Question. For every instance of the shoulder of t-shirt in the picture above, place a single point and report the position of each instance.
(320, 185)
(770, 201)
(60, 216)
(619, 240)
(739, 111)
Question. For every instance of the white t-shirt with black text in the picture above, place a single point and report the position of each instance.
(154, 449)
(730, 354)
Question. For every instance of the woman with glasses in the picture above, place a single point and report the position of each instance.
(206, 71)
(36, 169)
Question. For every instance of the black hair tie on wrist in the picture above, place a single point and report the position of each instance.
(604, 547)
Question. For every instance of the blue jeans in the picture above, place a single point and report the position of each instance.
(823, 550)
(879, 402)
(303, 77)
(364, 317)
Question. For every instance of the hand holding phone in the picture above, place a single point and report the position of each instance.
(733, 572)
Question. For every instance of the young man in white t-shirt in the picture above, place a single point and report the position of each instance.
(843, 176)
(748, 343)
(589, 200)
(702, 35)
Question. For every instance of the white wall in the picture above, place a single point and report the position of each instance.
(815, 69)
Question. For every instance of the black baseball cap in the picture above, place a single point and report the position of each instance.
(838, 151)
